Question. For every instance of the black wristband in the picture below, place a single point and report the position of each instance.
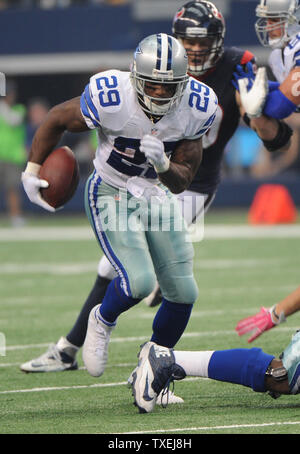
(246, 119)
(282, 137)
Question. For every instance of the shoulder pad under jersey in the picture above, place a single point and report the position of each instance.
(200, 104)
(105, 99)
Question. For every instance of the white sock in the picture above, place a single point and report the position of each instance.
(194, 363)
(105, 269)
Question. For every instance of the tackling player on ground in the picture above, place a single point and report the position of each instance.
(158, 367)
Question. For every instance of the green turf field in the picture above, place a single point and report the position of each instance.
(44, 281)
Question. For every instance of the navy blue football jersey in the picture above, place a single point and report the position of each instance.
(227, 119)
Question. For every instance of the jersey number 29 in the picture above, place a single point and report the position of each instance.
(111, 96)
(199, 97)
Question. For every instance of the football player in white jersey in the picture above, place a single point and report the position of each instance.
(150, 123)
(277, 27)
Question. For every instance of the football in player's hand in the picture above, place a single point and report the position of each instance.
(61, 171)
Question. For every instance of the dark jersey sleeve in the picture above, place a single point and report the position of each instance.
(208, 176)
(247, 57)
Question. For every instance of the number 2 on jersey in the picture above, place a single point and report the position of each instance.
(199, 97)
(109, 97)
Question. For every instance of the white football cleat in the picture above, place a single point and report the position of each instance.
(58, 358)
(155, 371)
(163, 398)
(168, 398)
(95, 347)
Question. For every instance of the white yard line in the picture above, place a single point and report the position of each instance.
(71, 268)
(211, 231)
(47, 234)
(64, 388)
(248, 231)
(231, 332)
(50, 268)
(207, 428)
(23, 300)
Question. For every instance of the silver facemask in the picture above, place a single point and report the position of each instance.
(288, 13)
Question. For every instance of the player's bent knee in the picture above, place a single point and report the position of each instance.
(143, 285)
(190, 292)
(183, 291)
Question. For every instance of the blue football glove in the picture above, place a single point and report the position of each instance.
(273, 85)
(246, 72)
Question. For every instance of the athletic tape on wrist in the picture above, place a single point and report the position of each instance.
(164, 167)
(33, 168)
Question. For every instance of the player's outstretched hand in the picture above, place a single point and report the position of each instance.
(154, 150)
(254, 100)
(257, 323)
(244, 72)
(32, 185)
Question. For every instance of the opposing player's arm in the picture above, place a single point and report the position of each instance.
(265, 127)
(280, 100)
(275, 134)
(269, 98)
(284, 99)
(184, 164)
(63, 117)
(290, 87)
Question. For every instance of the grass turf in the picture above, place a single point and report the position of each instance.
(41, 295)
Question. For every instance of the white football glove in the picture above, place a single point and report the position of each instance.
(32, 185)
(254, 100)
(154, 150)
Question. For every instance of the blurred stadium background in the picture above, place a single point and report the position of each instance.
(49, 48)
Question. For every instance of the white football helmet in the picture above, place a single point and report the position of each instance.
(159, 59)
(288, 11)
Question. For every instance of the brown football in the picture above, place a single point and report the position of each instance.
(61, 171)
